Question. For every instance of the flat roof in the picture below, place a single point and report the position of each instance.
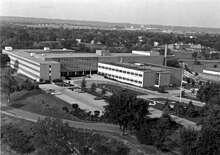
(24, 54)
(44, 51)
(212, 69)
(145, 67)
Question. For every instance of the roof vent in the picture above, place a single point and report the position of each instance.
(46, 48)
(8, 48)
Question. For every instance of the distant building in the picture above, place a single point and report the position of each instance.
(146, 53)
(210, 74)
(141, 74)
(49, 64)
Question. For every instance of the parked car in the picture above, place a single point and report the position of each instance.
(56, 93)
(97, 98)
(50, 91)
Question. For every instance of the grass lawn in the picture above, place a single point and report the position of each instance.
(114, 87)
(39, 102)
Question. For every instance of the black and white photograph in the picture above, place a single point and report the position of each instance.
(110, 77)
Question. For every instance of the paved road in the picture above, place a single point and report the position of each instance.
(34, 117)
(85, 125)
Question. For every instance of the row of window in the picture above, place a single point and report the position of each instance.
(74, 59)
(121, 71)
(123, 78)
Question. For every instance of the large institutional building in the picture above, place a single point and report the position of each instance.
(141, 74)
(49, 64)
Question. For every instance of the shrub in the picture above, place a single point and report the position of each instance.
(75, 106)
(66, 109)
(96, 113)
(28, 85)
(16, 139)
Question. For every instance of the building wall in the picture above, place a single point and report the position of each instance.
(146, 53)
(55, 71)
(122, 74)
(175, 76)
(149, 79)
(24, 66)
(164, 79)
(75, 64)
(44, 71)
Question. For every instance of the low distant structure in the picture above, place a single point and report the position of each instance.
(210, 75)
(146, 53)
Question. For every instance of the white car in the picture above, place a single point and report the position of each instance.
(56, 93)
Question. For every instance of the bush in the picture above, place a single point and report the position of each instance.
(75, 106)
(16, 139)
(57, 80)
(28, 85)
(66, 109)
(96, 113)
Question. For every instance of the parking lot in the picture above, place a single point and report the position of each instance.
(84, 100)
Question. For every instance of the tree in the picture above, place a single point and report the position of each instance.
(8, 82)
(194, 54)
(178, 109)
(28, 85)
(93, 87)
(190, 112)
(209, 93)
(96, 113)
(173, 63)
(75, 106)
(83, 84)
(188, 139)
(53, 137)
(4, 60)
(126, 110)
(162, 129)
(103, 91)
(166, 107)
(16, 139)
(208, 141)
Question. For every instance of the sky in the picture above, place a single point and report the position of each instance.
(199, 13)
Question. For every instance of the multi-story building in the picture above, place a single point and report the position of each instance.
(49, 64)
(141, 74)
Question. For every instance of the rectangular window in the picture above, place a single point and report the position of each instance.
(136, 74)
(140, 75)
(132, 73)
(128, 72)
(124, 71)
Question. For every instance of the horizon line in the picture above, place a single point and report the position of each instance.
(107, 21)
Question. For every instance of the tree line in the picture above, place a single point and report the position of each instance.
(116, 41)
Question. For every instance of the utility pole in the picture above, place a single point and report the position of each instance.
(181, 84)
